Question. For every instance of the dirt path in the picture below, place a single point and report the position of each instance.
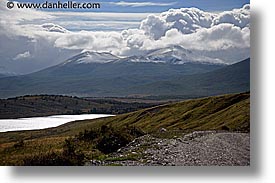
(195, 149)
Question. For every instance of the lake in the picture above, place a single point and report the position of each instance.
(35, 123)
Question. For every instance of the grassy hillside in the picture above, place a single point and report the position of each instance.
(227, 112)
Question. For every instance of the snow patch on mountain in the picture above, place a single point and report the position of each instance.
(92, 57)
(170, 55)
(173, 55)
(180, 55)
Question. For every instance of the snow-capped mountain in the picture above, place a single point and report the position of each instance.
(157, 72)
(172, 55)
(165, 71)
(130, 78)
(169, 55)
(92, 57)
(179, 55)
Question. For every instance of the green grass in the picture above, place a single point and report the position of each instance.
(213, 113)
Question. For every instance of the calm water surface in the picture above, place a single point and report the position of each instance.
(35, 123)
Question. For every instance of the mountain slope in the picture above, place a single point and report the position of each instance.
(230, 112)
(230, 79)
(83, 77)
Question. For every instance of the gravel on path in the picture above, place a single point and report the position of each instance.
(200, 148)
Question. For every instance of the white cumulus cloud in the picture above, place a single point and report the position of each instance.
(190, 20)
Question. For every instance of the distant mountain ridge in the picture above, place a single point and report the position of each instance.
(5, 73)
(169, 55)
(169, 71)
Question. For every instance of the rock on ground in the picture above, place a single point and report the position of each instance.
(201, 148)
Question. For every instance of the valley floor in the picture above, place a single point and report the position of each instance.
(200, 148)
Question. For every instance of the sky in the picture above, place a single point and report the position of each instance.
(143, 6)
(31, 40)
